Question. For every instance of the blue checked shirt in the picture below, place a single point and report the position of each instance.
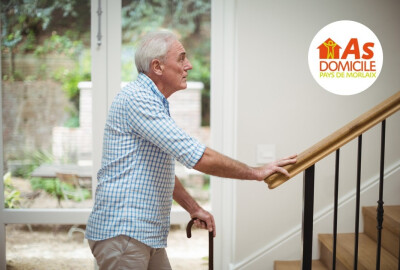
(137, 175)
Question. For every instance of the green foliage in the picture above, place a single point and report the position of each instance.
(60, 45)
(34, 160)
(50, 185)
(18, 75)
(12, 195)
(26, 27)
(29, 44)
(184, 16)
(22, 19)
(201, 72)
(72, 122)
(55, 187)
(70, 80)
(206, 185)
(128, 68)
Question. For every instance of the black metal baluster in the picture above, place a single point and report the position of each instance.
(308, 217)
(357, 202)
(379, 209)
(335, 210)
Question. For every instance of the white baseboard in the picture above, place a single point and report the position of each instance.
(291, 237)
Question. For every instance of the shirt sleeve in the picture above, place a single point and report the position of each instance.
(149, 119)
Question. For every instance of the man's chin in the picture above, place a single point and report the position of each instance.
(183, 86)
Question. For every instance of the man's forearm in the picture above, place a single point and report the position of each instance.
(184, 199)
(203, 219)
(217, 164)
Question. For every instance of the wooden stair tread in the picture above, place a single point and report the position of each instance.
(391, 227)
(391, 216)
(296, 265)
(366, 251)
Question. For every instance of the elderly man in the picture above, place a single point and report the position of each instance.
(130, 221)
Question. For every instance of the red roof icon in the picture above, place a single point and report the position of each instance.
(329, 50)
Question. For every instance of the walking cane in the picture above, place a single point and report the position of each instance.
(210, 243)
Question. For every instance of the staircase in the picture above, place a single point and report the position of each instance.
(366, 246)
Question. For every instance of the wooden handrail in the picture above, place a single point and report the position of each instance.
(337, 139)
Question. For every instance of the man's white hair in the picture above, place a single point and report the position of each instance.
(154, 45)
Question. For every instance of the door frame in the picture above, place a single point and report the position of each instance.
(224, 125)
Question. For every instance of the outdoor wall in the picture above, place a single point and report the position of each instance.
(185, 109)
(31, 65)
(278, 102)
(27, 123)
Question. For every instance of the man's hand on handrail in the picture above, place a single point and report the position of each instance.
(276, 167)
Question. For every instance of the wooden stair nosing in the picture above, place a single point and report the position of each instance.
(296, 265)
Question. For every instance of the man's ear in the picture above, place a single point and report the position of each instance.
(157, 67)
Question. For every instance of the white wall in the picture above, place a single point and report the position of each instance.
(278, 102)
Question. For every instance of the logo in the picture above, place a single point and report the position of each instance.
(345, 57)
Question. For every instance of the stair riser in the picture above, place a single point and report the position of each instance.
(326, 257)
(390, 241)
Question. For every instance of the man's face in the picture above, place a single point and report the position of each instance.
(175, 68)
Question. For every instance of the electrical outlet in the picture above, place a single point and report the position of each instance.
(266, 153)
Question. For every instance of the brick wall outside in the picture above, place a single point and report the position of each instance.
(30, 110)
(185, 109)
(31, 65)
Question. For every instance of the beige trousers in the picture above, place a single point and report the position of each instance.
(123, 252)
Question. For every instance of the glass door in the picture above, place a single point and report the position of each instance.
(46, 139)
(46, 104)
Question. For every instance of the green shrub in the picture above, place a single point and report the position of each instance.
(34, 160)
(55, 187)
(12, 195)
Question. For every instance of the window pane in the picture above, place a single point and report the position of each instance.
(46, 108)
(190, 20)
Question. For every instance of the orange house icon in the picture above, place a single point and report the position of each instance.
(329, 50)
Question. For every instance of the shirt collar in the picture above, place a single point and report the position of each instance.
(145, 80)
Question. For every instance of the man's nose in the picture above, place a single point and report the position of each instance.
(188, 65)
